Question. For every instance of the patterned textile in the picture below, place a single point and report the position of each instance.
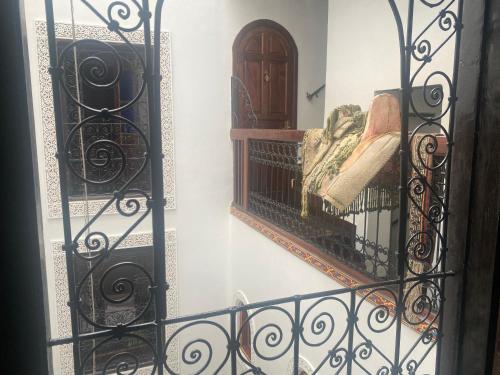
(325, 150)
(341, 160)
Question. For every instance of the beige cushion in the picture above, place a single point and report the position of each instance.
(379, 142)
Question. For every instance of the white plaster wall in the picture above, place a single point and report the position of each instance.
(363, 50)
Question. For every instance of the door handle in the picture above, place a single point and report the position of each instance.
(267, 77)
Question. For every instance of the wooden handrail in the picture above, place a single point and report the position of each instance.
(243, 136)
(286, 135)
(267, 135)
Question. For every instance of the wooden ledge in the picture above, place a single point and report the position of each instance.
(268, 134)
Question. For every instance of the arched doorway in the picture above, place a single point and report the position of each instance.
(265, 62)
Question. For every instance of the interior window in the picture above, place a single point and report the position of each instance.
(86, 156)
(109, 303)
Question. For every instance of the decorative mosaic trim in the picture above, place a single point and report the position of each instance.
(63, 319)
(64, 31)
(321, 265)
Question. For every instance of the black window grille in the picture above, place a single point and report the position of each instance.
(77, 65)
(110, 304)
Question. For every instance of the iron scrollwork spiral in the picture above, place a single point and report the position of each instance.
(102, 69)
(198, 353)
(105, 157)
(424, 306)
(420, 247)
(269, 336)
(337, 359)
(124, 362)
(94, 70)
(324, 327)
(379, 319)
(96, 245)
(427, 145)
(124, 13)
(130, 206)
(116, 289)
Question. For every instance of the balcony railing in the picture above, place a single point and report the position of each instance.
(268, 185)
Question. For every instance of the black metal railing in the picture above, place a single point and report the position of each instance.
(347, 329)
(351, 330)
(362, 236)
(274, 194)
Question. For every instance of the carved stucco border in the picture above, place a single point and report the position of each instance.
(64, 31)
(63, 359)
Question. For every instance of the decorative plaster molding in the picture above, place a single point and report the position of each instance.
(65, 31)
(63, 319)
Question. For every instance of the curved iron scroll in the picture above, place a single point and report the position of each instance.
(242, 112)
(346, 328)
(105, 156)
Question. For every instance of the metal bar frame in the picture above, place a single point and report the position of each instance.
(347, 353)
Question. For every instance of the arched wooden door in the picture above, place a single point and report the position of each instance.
(265, 61)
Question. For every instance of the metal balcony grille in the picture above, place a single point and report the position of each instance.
(275, 174)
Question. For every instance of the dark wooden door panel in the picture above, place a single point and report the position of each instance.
(254, 44)
(265, 59)
(252, 77)
(277, 45)
(278, 91)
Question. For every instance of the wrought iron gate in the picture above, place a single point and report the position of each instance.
(415, 298)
